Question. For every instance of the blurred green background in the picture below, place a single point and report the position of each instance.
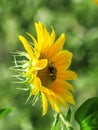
(78, 19)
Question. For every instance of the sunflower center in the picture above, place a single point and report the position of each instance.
(48, 74)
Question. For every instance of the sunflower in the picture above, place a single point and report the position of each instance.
(46, 68)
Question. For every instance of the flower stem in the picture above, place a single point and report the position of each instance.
(65, 122)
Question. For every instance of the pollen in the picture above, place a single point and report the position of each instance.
(48, 74)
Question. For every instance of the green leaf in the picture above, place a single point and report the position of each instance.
(87, 114)
(91, 122)
(4, 112)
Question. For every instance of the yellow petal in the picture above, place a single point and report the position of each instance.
(43, 37)
(51, 97)
(39, 32)
(61, 100)
(40, 29)
(27, 46)
(68, 97)
(30, 72)
(41, 64)
(35, 90)
(62, 89)
(66, 75)
(71, 100)
(44, 104)
(57, 46)
(68, 86)
(62, 60)
(34, 40)
(36, 84)
(56, 107)
(53, 35)
(47, 91)
(54, 103)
